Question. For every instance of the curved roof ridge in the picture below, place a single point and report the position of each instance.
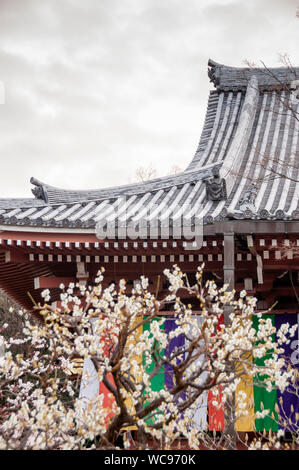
(226, 77)
(53, 195)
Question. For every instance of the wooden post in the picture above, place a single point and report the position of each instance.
(82, 275)
(229, 278)
(229, 259)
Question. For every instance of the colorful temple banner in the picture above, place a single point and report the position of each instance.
(281, 405)
(257, 396)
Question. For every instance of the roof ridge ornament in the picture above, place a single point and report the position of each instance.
(229, 78)
(39, 191)
(215, 186)
(247, 201)
(212, 69)
(247, 209)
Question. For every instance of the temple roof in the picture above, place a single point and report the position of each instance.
(249, 139)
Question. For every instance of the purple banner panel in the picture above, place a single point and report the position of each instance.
(288, 402)
(177, 342)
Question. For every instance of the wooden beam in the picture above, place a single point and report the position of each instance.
(229, 260)
(49, 282)
(259, 260)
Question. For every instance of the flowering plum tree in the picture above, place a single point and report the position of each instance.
(124, 338)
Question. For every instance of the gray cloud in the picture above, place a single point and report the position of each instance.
(95, 89)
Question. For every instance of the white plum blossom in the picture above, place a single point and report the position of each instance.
(123, 336)
(46, 295)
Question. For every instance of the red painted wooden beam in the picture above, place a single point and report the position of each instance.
(49, 282)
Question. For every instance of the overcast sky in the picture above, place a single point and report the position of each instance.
(95, 89)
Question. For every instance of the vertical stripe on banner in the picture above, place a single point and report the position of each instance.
(157, 382)
(261, 396)
(245, 423)
(108, 400)
(177, 342)
(201, 412)
(89, 385)
(131, 345)
(216, 411)
(108, 397)
(288, 401)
